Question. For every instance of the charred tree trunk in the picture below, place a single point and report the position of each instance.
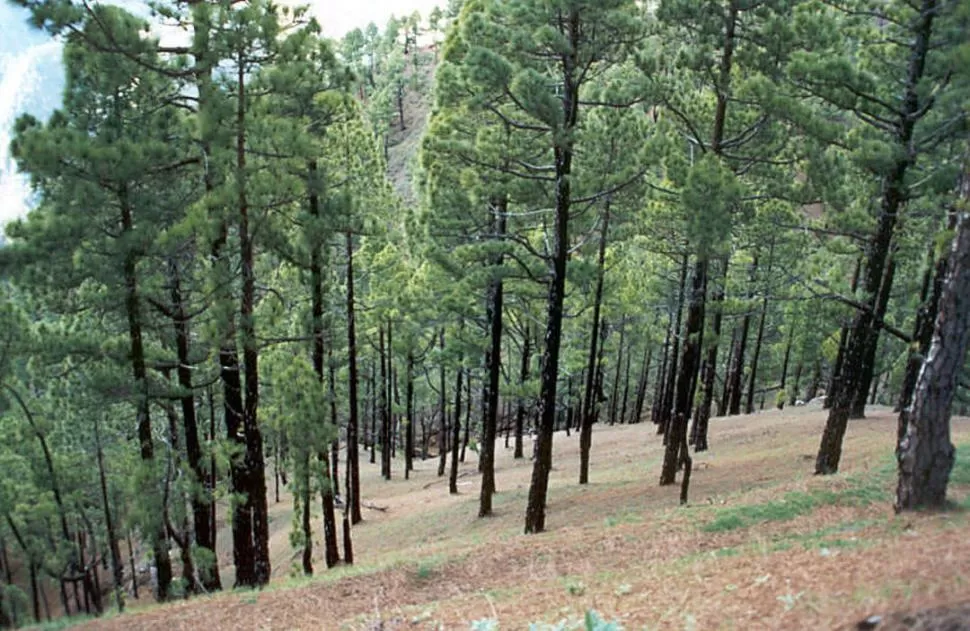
(614, 395)
(926, 454)
(661, 387)
(868, 371)
(643, 384)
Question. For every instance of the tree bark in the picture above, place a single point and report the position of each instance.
(843, 344)
(456, 434)
(926, 454)
(753, 376)
(409, 428)
(736, 370)
(670, 383)
(443, 407)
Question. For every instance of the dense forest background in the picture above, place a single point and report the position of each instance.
(260, 256)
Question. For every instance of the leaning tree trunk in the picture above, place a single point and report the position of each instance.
(843, 345)
(865, 329)
(868, 371)
(926, 454)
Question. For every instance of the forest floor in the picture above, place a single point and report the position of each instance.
(763, 544)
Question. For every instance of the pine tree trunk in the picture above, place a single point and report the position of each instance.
(409, 429)
(865, 330)
(456, 434)
(626, 390)
(383, 406)
(305, 513)
(872, 342)
(614, 396)
(535, 516)
(329, 478)
(353, 449)
(493, 365)
(443, 408)
(590, 396)
(710, 363)
(202, 501)
(643, 384)
(926, 454)
(144, 421)
(676, 438)
(117, 566)
(661, 387)
(753, 376)
(254, 480)
(667, 405)
(736, 370)
(520, 410)
(843, 345)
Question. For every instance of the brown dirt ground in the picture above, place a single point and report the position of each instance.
(620, 545)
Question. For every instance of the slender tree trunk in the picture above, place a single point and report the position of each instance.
(926, 454)
(202, 499)
(409, 428)
(614, 396)
(736, 370)
(626, 389)
(865, 329)
(843, 344)
(144, 422)
(372, 389)
(661, 387)
(353, 449)
(868, 371)
(520, 411)
(589, 398)
(493, 366)
(710, 363)
(443, 408)
(643, 384)
(117, 567)
(535, 516)
(384, 406)
(753, 376)
(456, 434)
(722, 403)
(794, 389)
(666, 408)
(676, 438)
(307, 559)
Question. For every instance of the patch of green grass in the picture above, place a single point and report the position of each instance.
(861, 491)
(961, 468)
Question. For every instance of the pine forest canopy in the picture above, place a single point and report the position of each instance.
(261, 255)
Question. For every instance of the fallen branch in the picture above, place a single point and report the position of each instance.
(383, 509)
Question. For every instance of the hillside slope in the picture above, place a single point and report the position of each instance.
(763, 543)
